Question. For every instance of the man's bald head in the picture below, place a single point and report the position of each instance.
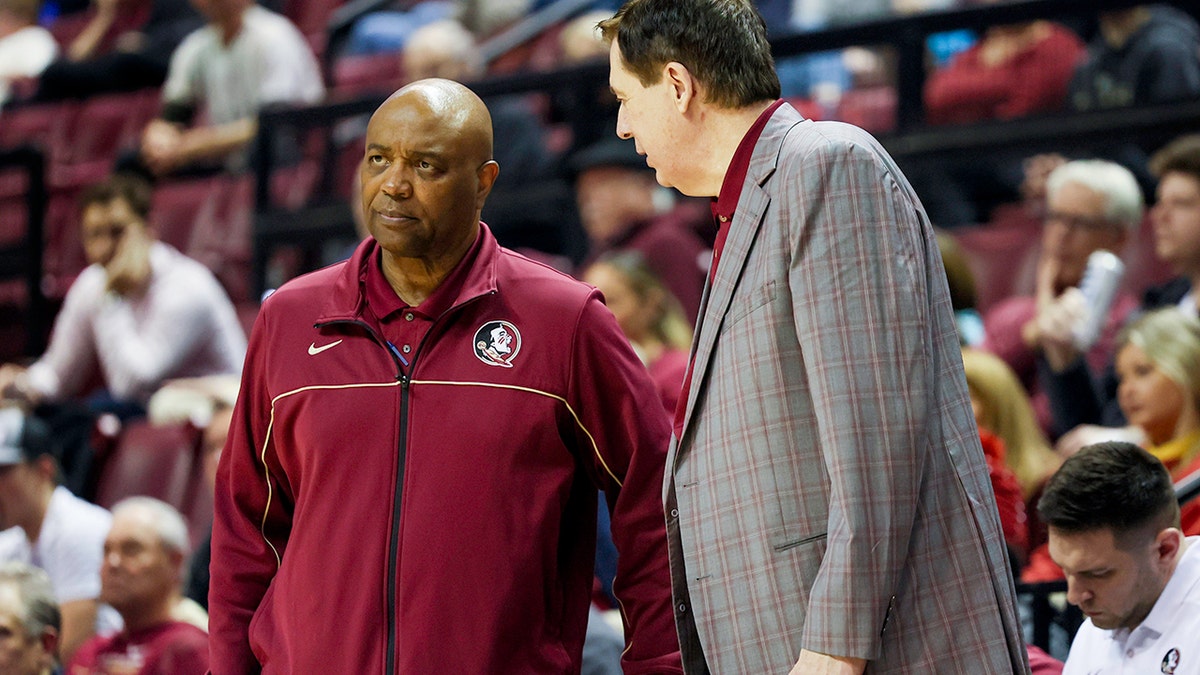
(451, 106)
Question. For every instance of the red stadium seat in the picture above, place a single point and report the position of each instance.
(157, 461)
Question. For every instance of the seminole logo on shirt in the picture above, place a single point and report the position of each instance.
(497, 343)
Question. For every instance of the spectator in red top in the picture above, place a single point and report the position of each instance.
(141, 577)
(1012, 71)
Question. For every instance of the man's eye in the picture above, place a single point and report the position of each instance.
(424, 165)
(375, 160)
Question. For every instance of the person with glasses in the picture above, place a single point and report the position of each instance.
(1091, 205)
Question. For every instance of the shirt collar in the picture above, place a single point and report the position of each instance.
(731, 188)
(384, 302)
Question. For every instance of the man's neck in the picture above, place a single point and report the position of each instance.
(231, 26)
(141, 620)
(33, 525)
(726, 129)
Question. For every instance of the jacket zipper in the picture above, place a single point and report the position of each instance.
(394, 540)
(394, 545)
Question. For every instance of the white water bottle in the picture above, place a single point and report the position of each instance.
(1099, 288)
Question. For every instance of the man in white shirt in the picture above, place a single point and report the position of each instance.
(246, 59)
(44, 525)
(1114, 529)
(140, 314)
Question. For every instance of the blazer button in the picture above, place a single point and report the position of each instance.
(682, 608)
(674, 513)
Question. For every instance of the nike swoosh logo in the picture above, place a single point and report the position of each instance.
(313, 349)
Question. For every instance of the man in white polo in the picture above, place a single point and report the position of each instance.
(1114, 528)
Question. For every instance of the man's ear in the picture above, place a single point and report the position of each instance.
(683, 86)
(1166, 546)
(49, 640)
(487, 173)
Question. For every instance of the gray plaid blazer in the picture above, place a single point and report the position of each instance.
(828, 490)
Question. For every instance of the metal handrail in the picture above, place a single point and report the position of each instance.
(25, 258)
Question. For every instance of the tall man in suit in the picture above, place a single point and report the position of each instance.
(828, 503)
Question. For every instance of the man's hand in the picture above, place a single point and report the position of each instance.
(161, 146)
(14, 386)
(129, 270)
(816, 663)
(1052, 331)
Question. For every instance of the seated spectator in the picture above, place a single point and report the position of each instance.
(622, 207)
(1176, 219)
(1091, 205)
(141, 313)
(1141, 55)
(1075, 400)
(448, 50)
(650, 317)
(1012, 71)
(137, 57)
(245, 60)
(47, 526)
(1114, 530)
(1002, 407)
(1158, 367)
(25, 47)
(29, 621)
(141, 577)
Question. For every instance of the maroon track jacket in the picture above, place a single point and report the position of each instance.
(439, 520)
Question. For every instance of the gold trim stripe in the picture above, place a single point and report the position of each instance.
(492, 385)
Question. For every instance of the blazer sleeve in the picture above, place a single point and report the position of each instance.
(251, 516)
(859, 285)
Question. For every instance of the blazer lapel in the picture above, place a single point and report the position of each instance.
(719, 292)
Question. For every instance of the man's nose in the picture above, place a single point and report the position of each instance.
(396, 183)
(623, 130)
(1076, 593)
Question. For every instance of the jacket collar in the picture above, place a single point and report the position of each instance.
(348, 299)
(752, 205)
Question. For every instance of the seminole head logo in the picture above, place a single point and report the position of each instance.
(497, 343)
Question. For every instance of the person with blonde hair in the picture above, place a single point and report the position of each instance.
(1158, 367)
(1002, 407)
(649, 315)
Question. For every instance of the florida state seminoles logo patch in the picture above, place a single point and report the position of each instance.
(497, 343)
(1170, 662)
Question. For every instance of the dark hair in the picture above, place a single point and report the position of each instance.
(723, 43)
(1181, 155)
(1114, 485)
(132, 190)
(36, 439)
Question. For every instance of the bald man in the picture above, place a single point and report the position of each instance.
(398, 495)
